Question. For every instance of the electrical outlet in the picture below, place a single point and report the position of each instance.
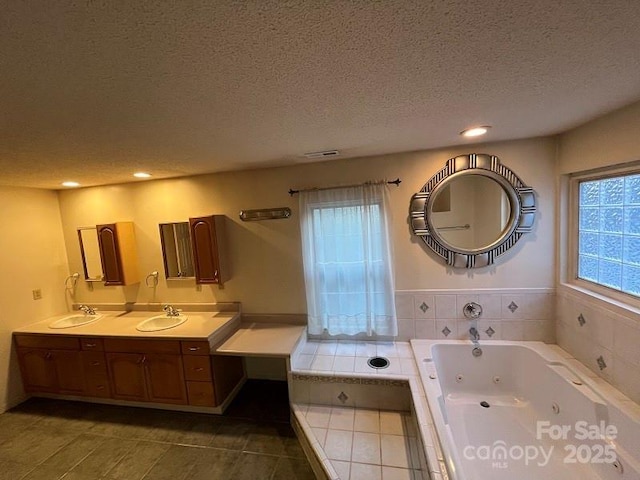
(37, 294)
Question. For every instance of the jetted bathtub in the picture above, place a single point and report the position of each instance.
(520, 411)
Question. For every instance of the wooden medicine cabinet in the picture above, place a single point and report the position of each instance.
(209, 249)
(113, 245)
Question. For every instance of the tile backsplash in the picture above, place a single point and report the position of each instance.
(507, 314)
(604, 338)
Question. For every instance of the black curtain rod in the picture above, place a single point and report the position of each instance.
(395, 182)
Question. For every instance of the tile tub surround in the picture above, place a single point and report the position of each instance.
(309, 386)
(508, 314)
(370, 390)
(604, 337)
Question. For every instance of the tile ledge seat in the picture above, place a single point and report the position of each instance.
(426, 430)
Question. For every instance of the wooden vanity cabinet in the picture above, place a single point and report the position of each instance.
(141, 370)
(197, 371)
(94, 365)
(209, 249)
(52, 367)
(146, 370)
(117, 245)
(210, 379)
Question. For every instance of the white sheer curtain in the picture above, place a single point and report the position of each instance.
(347, 258)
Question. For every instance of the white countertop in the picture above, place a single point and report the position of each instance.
(262, 340)
(199, 326)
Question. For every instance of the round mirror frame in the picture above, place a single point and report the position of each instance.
(521, 199)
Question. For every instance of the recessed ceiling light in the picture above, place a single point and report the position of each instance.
(475, 131)
(70, 184)
(142, 175)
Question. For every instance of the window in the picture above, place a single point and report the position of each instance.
(609, 232)
(347, 261)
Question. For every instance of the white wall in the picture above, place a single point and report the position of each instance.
(266, 256)
(612, 329)
(33, 257)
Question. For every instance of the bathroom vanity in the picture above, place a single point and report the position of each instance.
(110, 359)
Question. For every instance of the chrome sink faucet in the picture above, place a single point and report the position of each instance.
(170, 311)
(87, 309)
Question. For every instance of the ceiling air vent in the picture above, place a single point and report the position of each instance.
(325, 154)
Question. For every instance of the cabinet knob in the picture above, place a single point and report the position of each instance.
(194, 349)
(48, 356)
(95, 364)
(100, 387)
(199, 369)
(90, 345)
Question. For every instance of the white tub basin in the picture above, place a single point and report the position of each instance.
(75, 320)
(160, 322)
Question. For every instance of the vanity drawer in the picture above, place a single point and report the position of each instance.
(92, 344)
(54, 342)
(98, 386)
(120, 345)
(197, 368)
(94, 363)
(195, 348)
(201, 394)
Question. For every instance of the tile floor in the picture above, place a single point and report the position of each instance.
(51, 439)
(367, 444)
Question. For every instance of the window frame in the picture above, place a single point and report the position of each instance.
(574, 232)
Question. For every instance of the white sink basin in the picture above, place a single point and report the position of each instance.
(160, 322)
(75, 320)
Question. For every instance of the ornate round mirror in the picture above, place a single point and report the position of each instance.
(472, 210)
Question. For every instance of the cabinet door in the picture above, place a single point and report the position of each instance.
(165, 378)
(205, 249)
(110, 254)
(126, 373)
(38, 370)
(69, 372)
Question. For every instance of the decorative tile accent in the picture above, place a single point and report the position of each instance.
(424, 307)
(490, 332)
(513, 306)
(350, 380)
(446, 331)
(581, 320)
(386, 383)
(601, 364)
(343, 397)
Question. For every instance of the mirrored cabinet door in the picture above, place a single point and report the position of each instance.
(176, 250)
(90, 251)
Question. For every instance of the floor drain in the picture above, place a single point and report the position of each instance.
(484, 404)
(378, 362)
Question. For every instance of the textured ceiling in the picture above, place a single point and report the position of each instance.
(94, 90)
